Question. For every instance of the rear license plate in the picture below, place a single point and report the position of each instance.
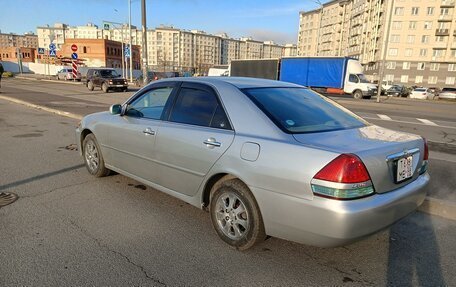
(404, 168)
(119, 86)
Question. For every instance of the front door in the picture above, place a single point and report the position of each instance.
(194, 136)
(132, 135)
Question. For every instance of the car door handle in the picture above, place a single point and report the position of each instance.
(149, 131)
(211, 142)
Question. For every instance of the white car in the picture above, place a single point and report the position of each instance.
(422, 94)
(448, 94)
(67, 74)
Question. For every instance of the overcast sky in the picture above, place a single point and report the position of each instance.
(260, 19)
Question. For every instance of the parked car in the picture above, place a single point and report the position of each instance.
(263, 157)
(448, 94)
(397, 91)
(151, 76)
(422, 94)
(67, 74)
(105, 78)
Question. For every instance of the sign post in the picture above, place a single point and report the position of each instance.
(74, 58)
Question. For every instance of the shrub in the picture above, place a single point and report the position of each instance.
(8, 74)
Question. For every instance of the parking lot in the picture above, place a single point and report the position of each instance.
(68, 228)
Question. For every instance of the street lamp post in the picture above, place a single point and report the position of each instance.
(131, 50)
(144, 41)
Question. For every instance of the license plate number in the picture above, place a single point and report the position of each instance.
(404, 168)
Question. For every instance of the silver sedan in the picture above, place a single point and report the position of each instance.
(263, 157)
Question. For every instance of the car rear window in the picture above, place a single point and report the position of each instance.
(300, 110)
(449, 90)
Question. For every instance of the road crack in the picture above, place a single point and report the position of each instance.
(118, 253)
(55, 189)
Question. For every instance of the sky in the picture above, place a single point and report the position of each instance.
(260, 19)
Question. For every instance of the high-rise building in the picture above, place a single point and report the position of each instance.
(28, 40)
(414, 41)
(169, 48)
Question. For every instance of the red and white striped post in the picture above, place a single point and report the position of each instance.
(74, 58)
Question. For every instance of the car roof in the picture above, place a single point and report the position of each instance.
(239, 82)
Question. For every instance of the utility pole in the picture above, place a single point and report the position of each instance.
(131, 50)
(144, 41)
(382, 61)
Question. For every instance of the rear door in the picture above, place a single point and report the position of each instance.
(193, 138)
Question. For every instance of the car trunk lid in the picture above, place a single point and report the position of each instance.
(380, 150)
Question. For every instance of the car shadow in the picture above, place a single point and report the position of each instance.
(414, 257)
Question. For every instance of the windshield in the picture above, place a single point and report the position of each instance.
(362, 78)
(299, 110)
(109, 73)
(420, 90)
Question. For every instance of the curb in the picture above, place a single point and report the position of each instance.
(47, 80)
(43, 108)
(438, 207)
(442, 147)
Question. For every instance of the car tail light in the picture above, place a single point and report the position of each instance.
(424, 93)
(424, 165)
(345, 177)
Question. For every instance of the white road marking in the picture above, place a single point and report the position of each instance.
(428, 122)
(384, 117)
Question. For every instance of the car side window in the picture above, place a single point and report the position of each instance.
(353, 78)
(150, 104)
(199, 107)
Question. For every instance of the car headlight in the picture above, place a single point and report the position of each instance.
(110, 81)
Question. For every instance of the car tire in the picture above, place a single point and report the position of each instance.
(93, 158)
(357, 94)
(104, 87)
(235, 214)
(90, 86)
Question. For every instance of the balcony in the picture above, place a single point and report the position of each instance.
(440, 45)
(445, 18)
(442, 32)
(447, 3)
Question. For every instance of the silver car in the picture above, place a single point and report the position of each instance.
(448, 94)
(67, 74)
(263, 157)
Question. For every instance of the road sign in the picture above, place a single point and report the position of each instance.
(74, 56)
(127, 51)
(52, 53)
(40, 51)
(74, 47)
(106, 26)
(52, 46)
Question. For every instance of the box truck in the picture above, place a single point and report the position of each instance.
(327, 75)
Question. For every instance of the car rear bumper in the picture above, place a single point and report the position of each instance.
(330, 223)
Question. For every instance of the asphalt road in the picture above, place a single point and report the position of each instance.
(68, 228)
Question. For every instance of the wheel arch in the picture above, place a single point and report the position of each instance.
(215, 179)
(84, 133)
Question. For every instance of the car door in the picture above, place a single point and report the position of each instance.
(132, 134)
(194, 136)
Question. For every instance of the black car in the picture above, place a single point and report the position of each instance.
(398, 91)
(105, 78)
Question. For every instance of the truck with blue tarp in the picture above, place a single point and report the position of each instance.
(328, 75)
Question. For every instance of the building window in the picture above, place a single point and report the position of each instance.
(430, 10)
(408, 52)
(406, 66)
(392, 52)
(451, 67)
(440, 39)
(410, 39)
(391, 65)
(438, 53)
(421, 66)
(397, 25)
(399, 11)
(404, 79)
(415, 10)
(395, 38)
(84, 49)
(418, 79)
(412, 25)
(423, 52)
(432, 80)
(427, 25)
(434, 66)
(425, 39)
(450, 80)
(444, 11)
(389, 78)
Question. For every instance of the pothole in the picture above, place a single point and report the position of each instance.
(7, 198)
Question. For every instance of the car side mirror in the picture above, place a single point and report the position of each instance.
(115, 109)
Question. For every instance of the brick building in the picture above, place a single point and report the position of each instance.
(99, 52)
(10, 54)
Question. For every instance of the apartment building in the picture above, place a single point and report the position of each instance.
(169, 48)
(413, 40)
(28, 40)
